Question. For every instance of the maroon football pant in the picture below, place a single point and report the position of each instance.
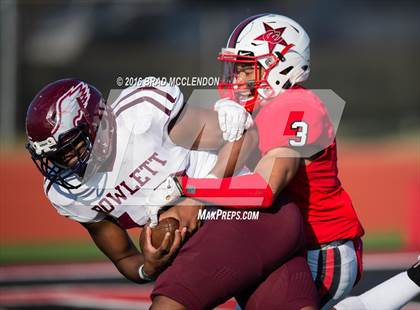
(289, 287)
(227, 259)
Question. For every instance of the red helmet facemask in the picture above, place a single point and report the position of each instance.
(246, 92)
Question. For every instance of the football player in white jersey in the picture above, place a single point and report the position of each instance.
(101, 161)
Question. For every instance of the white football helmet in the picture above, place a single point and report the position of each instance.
(276, 47)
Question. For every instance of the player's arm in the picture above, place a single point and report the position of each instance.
(196, 128)
(233, 156)
(115, 243)
(257, 190)
(278, 167)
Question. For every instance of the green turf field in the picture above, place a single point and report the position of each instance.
(52, 252)
(383, 241)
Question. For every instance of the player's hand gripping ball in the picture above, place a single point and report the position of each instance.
(168, 224)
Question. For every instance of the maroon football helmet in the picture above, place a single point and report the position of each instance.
(62, 119)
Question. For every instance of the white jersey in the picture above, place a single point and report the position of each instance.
(145, 156)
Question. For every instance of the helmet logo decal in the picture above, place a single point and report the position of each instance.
(69, 108)
(272, 36)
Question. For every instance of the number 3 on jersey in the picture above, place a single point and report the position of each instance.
(301, 133)
(296, 127)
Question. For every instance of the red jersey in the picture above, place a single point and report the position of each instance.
(297, 118)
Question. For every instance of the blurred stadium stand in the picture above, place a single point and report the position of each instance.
(364, 50)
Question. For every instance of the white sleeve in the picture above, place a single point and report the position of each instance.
(162, 102)
(94, 217)
(66, 205)
(176, 102)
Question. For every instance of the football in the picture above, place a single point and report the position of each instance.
(169, 224)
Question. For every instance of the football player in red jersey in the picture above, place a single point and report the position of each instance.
(266, 58)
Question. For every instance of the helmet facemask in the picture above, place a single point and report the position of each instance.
(251, 92)
(88, 156)
(54, 164)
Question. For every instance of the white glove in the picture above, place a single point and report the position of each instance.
(233, 119)
(167, 192)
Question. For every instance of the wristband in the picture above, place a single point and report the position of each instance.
(143, 275)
